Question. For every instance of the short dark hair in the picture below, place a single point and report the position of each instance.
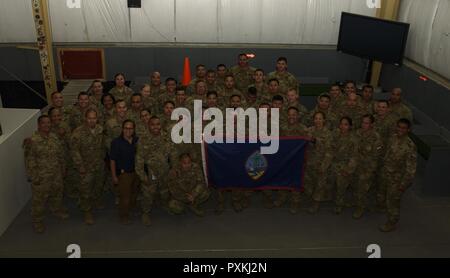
(184, 155)
(119, 74)
(42, 117)
(181, 88)
(221, 66)
(325, 96)
(108, 95)
(404, 121)
(293, 108)
(167, 102)
(154, 118)
(319, 112)
(261, 70)
(370, 117)
(128, 121)
(171, 79)
(278, 97)
(82, 94)
(136, 95)
(273, 80)
(252, 91)
(350, 81)
(282, 59)
(199, 66)
(348, 119)
(54, 93)
(210, 71)
(367, 87)
(147, 110)
(236, 96)
(51, 110)
(384, 101)
(210, 93)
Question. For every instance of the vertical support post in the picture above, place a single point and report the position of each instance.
(388, 10)
(45, 45)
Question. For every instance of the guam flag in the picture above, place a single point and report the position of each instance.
(242, 166)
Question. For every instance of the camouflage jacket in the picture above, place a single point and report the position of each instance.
(153, 157)
(44, 157)
(88, 148)
(287, 80)
(400, 159)
(183, 182)
(344, 150)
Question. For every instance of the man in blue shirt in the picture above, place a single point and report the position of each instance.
(123, 151)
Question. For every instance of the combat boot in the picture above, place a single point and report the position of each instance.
(268, 203)
(38, 227)
(294, 207)
(245, 202)
(197, 211)
(219, 209)
(314, 207)
(358, 213)
(388, 227)
(338, 210)
(88, 218)
(61, 214)
(281, 200)
(237, 206)
(146, 219)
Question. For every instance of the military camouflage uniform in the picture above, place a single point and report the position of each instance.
(157, 90)
(186, 182)
(344, 150)
(368, 107)
(353, 112)
(124, 94)
(319, 160)
(243, 77)
(331, 118)
(302, 111)
(72, 179)
(88, 152)
(369, 150)
(77, 116)
(151, 103)
(107, 114)
(153, 157)
(45, 165)
(399, 169)
(401, 111)
(287, 81)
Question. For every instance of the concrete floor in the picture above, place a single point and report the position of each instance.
(424, 231)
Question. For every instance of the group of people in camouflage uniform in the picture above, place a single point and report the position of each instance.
(356, 144)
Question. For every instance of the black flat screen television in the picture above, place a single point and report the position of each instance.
(373, 38)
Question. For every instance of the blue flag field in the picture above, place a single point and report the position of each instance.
(242, 166)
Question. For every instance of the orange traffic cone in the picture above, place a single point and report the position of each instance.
(186, 72)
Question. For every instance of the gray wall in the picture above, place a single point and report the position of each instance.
(310, 65)
(427, 97)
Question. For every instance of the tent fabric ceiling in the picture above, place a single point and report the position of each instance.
(429, 35)
(184, 21)
(16, 26)
(227, 21)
